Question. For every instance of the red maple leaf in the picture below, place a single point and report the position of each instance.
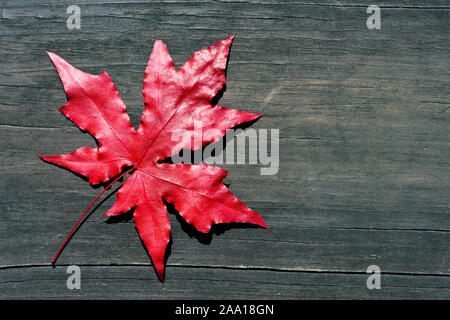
(174, 100)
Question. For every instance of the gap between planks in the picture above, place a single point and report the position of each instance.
(234, 267)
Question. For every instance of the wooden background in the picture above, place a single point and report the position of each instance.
(364, 149)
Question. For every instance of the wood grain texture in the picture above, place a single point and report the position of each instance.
(364, 150)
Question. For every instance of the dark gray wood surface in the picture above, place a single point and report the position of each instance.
(364, 150)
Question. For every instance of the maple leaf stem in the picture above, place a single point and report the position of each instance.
(84, 213)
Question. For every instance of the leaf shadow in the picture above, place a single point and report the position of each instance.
(218, 96)
(216, 229)
(121, 218)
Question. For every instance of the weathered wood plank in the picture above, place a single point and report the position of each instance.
(303, 236)
(136, 282)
